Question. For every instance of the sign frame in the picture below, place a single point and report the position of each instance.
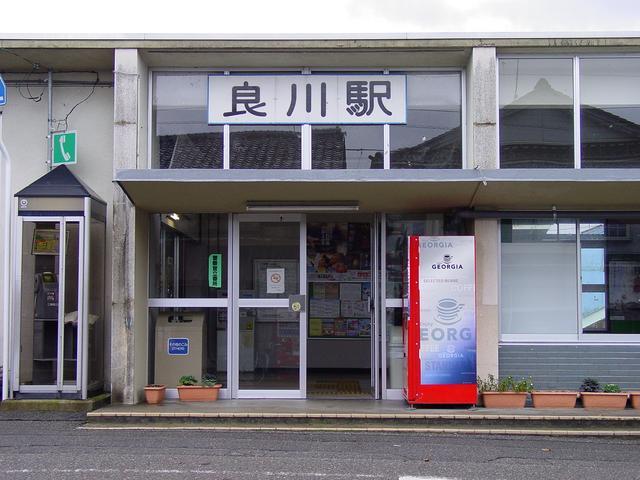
(3, 92)
(185, 353)
(251, 120)
(68, 157)
(415, 391)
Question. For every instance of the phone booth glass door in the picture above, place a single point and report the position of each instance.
(50, 279)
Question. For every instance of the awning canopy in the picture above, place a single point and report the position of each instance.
(208, 190)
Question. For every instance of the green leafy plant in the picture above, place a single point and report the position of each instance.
(523, 385)
(187, 380)
(611, 388)
(209, 380)
(590, 385)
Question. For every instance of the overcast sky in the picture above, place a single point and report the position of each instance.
(318, 16)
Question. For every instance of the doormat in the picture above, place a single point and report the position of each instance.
(340, 387)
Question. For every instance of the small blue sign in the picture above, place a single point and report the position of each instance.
(3, 92)
(178, 346)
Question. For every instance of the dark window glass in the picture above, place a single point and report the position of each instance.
(432, 137)
(181, 137)
(180, 249)
(610, 272)
(536, 113)
(610, 112)
(347, 146)
(268, 146)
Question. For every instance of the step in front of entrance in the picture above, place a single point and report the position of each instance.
(600, 421)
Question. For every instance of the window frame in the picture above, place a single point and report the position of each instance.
(579, 337)
(577, 150)
(306, 140)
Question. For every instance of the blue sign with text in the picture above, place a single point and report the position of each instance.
(178, 346)
(3, 92)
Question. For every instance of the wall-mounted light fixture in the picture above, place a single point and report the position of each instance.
(273, 207)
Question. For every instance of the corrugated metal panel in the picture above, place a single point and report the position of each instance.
(565, 366)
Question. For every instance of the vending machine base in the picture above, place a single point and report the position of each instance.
(442, 395)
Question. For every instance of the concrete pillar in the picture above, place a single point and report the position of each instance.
(482, 154)
(482, 148)
(488, 320)
(129, 264)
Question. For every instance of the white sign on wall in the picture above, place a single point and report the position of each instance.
(314, 99)
(275, 280)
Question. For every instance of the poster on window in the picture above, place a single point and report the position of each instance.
(447, 350)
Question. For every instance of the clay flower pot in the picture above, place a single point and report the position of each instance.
(198, 393)
(154, 394)
(554, 399)
(635, 399)
(504, 399)
(604, 400)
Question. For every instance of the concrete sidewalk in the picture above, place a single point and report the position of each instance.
(368, 415)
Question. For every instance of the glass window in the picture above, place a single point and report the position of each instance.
(188, 255)
(399, 227)
(202, 332)
(432, 137)
(181, 136)
(395, 348)
(610, 112)
(347, 146)
(268, 146)
(610, 272)
(538, 277)
(536, 113)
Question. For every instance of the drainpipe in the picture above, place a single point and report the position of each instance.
(6, 278)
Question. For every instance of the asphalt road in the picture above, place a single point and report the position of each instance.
(51, 446)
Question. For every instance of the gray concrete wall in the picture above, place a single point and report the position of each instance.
(129, 316)
(25, 135)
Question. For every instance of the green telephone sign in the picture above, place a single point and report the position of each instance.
(65, 148)
(215, 270)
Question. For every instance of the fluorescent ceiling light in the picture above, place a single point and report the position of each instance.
(346, 206)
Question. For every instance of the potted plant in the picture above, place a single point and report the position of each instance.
(554, 399)
(190, 391)
(154, 393)
(595, 396)
(504, 393)
(635, 399)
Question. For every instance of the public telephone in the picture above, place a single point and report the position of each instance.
(46, 292)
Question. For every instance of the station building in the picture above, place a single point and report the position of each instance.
(240, 207)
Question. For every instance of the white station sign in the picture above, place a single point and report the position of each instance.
(314, 99)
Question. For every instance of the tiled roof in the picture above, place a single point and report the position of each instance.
(276, 149)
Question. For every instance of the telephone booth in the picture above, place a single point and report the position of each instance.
(57, 321)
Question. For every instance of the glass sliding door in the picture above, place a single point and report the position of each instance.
(269, 306)
(50, 305)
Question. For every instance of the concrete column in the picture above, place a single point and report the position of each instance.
(129, 317)
(482, 153)
(488, 321)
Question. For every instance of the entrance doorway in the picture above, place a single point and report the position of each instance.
(341, 305)
(303, 306)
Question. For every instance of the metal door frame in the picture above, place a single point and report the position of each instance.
(237, 303)
(17, 324)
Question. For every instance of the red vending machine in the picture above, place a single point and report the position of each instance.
(440, 321)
